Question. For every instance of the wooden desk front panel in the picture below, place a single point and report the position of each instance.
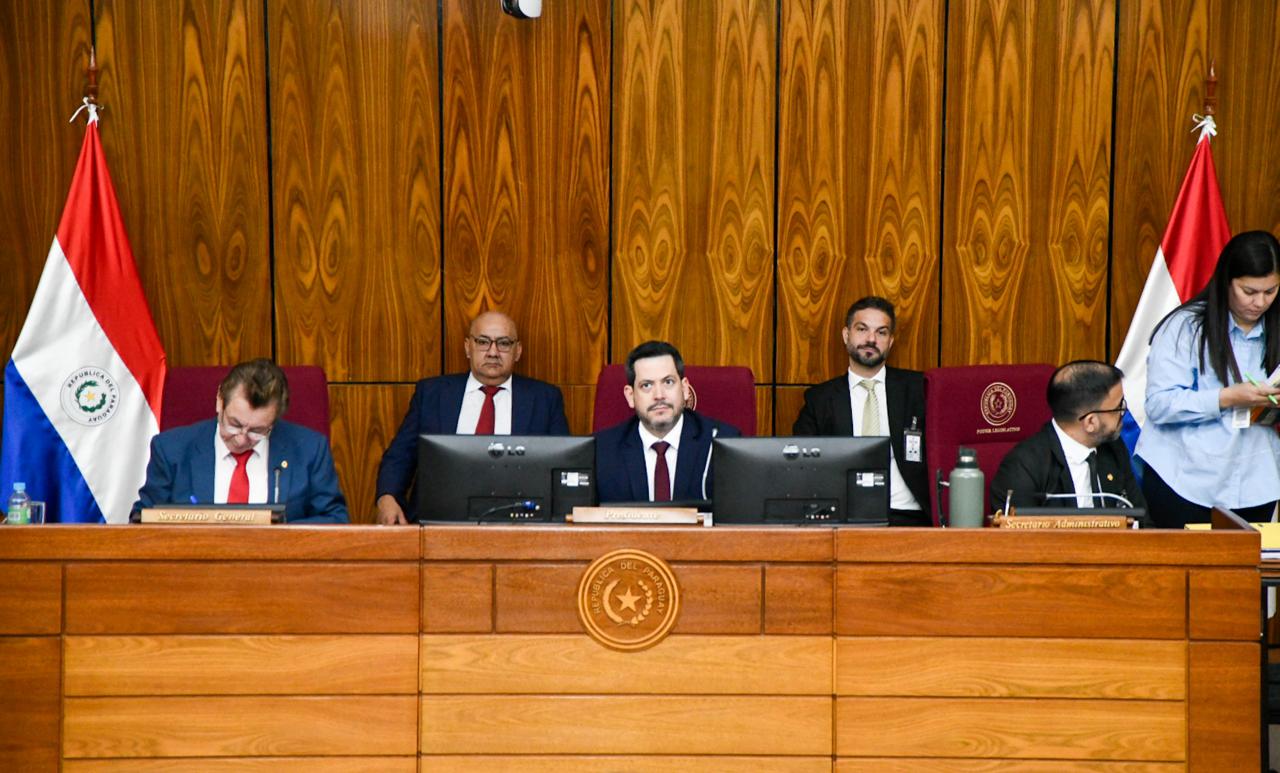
(744, 681)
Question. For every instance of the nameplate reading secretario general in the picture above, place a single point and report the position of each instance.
(635, 515)
(222, 516)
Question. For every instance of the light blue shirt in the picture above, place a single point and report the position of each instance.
(1188, 439)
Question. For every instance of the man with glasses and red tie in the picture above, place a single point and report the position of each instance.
(487, 400)
(247, 455)
(663, 453)
(1079, 451)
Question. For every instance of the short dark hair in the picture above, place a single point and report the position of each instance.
(652, 349)
(872, 302)
(1079, 387)
(263, 381)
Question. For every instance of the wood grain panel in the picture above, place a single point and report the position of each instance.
(764, 411)
(240, 665)
(646, 764)
(798, 599)
(189, 158)
(787, 402)
(1160, 71)
(860, 129)
(680, 665)
(693, 170)
(213, 543)
(1048, 547)
(363, 418)
(1224, 705)
(1224, 604)
(248, 765)
(954, 765)
(718, 724)
(1017, 668)
(671, 543)
(542, 598)
(242, 598)
(218, 727)
(457, 598)
(38, 607)
(526, 138)
(39, 147)
(579, 404)
(999, 728)
(30, 672)
(356, 175)
(1245, 36)
(1028, 145)
(893, 600)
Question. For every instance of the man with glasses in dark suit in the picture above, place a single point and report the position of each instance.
(487, 400)
(1079, 451)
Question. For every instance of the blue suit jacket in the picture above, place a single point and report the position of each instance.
(182, 466)
(621, 475)
(537, 408)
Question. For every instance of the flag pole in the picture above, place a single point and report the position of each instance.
(91, 90)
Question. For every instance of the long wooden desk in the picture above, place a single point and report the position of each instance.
(461, 649)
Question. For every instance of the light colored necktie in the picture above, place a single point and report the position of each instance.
(870, 409)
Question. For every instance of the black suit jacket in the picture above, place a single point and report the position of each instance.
(537, 408)
(621, 475)
(1038, 466)
(827, 412)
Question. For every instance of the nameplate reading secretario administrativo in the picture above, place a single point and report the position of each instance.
(1061, 521)
(635, 515)
(214, 515)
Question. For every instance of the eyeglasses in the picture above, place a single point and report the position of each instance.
(255, 433)
(504, 344)
(1118, 409)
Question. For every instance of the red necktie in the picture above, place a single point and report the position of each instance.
(239, 492)
(485, 425)
(661, 475)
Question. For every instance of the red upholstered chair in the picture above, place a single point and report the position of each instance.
(189, 395)
(989, 408)
(727, 393)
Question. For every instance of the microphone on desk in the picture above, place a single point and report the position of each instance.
(282, 466)
(706, 468)
(1097, 496)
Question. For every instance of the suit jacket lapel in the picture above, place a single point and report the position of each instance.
(202, 468)
(690, 459)
(842, 409)
(1064, 484)
(896, 405)
(633, 459)
(281, 450)
(519, 413)
(451, 404)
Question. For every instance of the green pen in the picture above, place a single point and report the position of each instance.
(1272, 398)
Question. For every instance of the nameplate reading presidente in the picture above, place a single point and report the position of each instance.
(628, 600)
(220, 516)
(635, 515)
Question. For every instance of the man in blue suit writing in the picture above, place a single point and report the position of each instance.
(247, 454)
(487, 400)
(663, 453)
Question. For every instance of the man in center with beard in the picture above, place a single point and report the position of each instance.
(873, 399)
(1079, 451)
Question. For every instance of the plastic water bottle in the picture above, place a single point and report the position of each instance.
(18, 511)
(966, 491)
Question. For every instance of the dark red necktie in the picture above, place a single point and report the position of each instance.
(487, 411)
(661, 475)
(238, 494)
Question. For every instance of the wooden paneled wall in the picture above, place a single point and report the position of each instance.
(346, 183)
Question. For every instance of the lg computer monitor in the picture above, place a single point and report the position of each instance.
(801, 480)
(503, 478)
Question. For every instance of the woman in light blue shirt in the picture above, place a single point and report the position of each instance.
(1206, 355)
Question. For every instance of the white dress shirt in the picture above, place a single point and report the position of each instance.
(225, 464)
(647, 439)
(900, 497)
(473, 401)
(1078, 463)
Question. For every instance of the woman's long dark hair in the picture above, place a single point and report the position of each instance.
(1249, 254)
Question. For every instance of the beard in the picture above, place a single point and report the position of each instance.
(866, 356)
